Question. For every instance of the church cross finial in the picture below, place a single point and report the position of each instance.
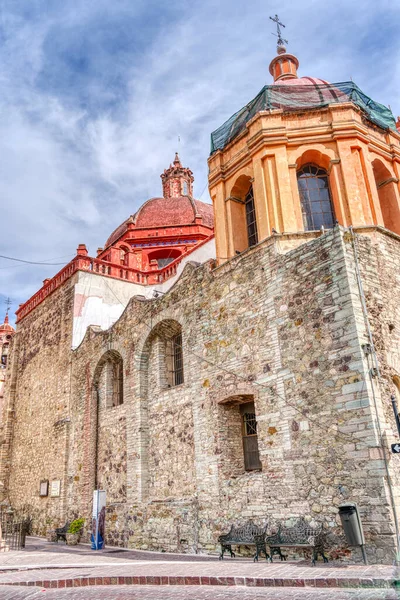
(281, 40)
(8, 303)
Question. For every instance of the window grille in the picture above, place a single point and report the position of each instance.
(118, 384)
(250, 439)
(251, 220)
(114, 383)
(178, 359)
(315, 198)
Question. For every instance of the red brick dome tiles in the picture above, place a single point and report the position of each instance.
(164, 212)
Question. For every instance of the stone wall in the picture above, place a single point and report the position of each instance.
(284, 330)
(39, 414)
(379, 260)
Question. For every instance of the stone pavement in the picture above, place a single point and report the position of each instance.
(191, 593)
(61, 571)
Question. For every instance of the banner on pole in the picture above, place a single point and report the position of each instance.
(98, 519)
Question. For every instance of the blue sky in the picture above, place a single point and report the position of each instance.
(93, 96)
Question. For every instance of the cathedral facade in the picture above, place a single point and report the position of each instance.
(204, 385)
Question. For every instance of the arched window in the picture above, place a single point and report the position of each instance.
(3, 358)
(315, 197)
(251, 220)
(174, 359)
(109, 379)
(165, 349)
(124, 252)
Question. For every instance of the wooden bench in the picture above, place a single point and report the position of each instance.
(61, 532)
(300, 535)
(244, 535)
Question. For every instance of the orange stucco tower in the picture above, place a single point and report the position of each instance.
(303, 155)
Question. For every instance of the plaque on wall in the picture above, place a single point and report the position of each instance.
(44, 488)
(55, 488)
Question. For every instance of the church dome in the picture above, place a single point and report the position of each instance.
(177, 207)
(164, 212)
(284, 67)
(159, 212)
(302, 81)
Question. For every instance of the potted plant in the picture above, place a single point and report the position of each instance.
(74, 532)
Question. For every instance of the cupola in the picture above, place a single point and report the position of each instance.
(6, 327)
(284, 66)
(177, 181)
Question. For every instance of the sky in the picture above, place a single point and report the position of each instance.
(94, 96)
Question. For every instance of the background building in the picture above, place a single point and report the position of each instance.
(6, 334)
(258, 388)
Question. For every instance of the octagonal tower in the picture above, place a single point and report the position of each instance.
(303, 155)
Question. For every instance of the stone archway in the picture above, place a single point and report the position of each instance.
(110, 431)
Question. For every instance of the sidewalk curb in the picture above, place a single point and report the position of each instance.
(317, 582)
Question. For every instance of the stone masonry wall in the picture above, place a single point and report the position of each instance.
(40, 416)
(282, 330)
(379, 262)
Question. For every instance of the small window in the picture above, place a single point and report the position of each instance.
(178, 359)
(251, 220)
(174, 360)
(249, 436)
(113, 384)
(118, 384)
(315, 198)
(185, 188)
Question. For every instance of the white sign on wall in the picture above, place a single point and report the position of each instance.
(55, 489)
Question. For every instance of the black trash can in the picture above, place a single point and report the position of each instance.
(352, 526)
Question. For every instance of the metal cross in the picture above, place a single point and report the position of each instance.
(8, 303)
(281, 40)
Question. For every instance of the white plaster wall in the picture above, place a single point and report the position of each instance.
(101, 300)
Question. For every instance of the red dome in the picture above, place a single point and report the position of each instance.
(312, 91)
(6, 326)
(164, 212)
(301, 81)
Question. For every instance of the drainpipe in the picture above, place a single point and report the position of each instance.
(96, 436)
